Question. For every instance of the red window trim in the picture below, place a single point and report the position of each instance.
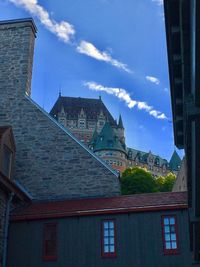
(108, 254)
(47, 257)
(170, 251)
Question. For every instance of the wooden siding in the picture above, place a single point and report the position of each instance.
(139, 242)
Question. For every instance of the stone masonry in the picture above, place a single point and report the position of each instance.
(50, 163)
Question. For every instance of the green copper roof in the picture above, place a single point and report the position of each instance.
(107, 139)
(143, 156)
(94, 137)
(175, 162)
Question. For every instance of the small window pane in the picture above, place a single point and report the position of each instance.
(111, 225)
(168, 245)
(105, 232)
(166, 221)
(106, 250)
(111, 232)
(172, 229)
(173, 237)
(112, 241)
(172, 221)
(106, 225)
(106, 240)
(167, 237)
(166, 229)
(174, 245)
(112, 248)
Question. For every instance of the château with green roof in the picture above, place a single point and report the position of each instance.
(92, 123)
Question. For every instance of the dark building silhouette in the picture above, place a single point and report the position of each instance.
(183, 43)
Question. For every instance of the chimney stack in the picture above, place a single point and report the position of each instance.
(17, 39)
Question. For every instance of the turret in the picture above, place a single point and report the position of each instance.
(120, 130)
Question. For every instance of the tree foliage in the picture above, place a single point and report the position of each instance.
(165, 184)
(138, 180)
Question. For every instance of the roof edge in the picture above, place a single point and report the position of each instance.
(71, 135)
(98, 212)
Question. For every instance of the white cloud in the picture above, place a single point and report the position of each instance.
(153, 79)
(90, 50)
(122, 94)
(158, 2)
(63, 30)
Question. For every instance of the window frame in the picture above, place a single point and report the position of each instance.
(108, 254)
(48, 257)
(165, 250)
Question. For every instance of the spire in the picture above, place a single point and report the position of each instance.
(175, 162)
(120, 123)
(59, 94)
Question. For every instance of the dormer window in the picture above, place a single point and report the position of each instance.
(7, 161)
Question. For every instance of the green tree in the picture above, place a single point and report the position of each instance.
(137, 180)
(165, 184)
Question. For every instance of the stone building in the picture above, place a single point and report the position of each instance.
(66, 206)
(41, 140)
(181, 179)
(91, 122)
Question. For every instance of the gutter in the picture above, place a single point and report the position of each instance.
(5, 246)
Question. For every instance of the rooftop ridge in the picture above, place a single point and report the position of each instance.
(72, 136)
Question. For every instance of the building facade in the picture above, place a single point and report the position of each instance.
(91, 122)
(10, 193)
(102, 232)
(183, 43)
(181, 179)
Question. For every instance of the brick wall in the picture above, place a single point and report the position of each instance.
(49, 163)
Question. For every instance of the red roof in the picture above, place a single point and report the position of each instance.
(94, 206)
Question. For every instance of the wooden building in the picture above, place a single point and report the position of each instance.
(10, 192)
(146, 230)
(183, 43)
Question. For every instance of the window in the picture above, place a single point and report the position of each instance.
(7, 161)
(50, 242)
(108, 238)
(170, 236)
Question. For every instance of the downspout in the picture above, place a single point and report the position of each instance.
(7, 213)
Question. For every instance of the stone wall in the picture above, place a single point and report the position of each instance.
(181, 179)
(50, 163)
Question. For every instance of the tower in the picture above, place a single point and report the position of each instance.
(120, 130)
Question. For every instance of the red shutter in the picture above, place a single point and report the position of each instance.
(50, 242)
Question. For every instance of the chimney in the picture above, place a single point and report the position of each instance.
(16, 59)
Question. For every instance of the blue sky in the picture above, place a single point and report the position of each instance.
(112, 48)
